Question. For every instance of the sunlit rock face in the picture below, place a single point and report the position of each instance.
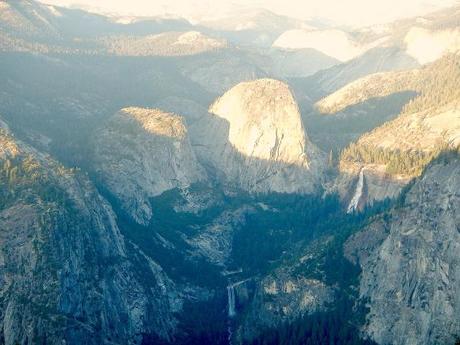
(140, 154)
(263, 114)
(255, 139)
(371, 86)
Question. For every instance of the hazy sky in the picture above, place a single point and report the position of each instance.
(348, 12)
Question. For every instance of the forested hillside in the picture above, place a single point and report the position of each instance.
(426, 126)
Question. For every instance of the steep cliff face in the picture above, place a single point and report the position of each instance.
(255, 140)
(410, 265)
(141, 153)
(66, 272)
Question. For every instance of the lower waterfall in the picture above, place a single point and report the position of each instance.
(231, 305)
(231, 300)
(231, 311)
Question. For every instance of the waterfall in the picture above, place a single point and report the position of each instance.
(358, 193)
(231, 311)
(231, 300)
(231, 297)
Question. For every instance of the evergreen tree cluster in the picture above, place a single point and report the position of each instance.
(23, 177)
(318, 329)
(438, 85)
(409, 163)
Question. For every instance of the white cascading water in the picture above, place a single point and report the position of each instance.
(231, 300)
(231, 297)
(358, 193)
(231, 311)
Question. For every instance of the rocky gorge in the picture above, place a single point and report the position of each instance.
(164, 182)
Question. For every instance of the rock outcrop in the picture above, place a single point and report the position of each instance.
(214, 242)
(142, 153)
(410, 263)
(255, 140)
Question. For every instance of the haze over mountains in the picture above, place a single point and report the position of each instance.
(249, 179)
(340, 14)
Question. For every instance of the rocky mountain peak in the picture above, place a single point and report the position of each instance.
(255, 139)
(264, 121)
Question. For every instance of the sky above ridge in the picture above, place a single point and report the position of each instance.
(341, 12)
